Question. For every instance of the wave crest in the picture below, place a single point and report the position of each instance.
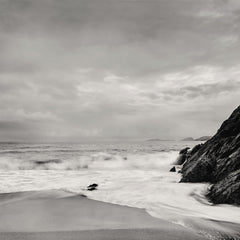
(100, 160)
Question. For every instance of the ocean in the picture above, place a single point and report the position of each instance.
(130, 173)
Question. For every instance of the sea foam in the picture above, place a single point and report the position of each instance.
(135, 175)
(100, 160)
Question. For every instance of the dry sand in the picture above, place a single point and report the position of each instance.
(60, 215)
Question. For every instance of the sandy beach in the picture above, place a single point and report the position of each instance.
(62, 215)
(121, 234)
(119, 120)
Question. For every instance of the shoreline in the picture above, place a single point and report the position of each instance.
(44, 214)
(102, 234)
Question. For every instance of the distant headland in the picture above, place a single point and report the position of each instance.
(203, 138)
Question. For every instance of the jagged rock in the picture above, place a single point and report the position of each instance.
(199, 171)
(173, 169)
(181, 159)
(183, 154)
(194, 149)
(184, 150)
(217, 161)
(226, 190)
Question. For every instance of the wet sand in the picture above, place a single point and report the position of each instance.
(113, 234)
(61, 215)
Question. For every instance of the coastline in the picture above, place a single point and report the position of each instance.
(102, 234)
(63, 215)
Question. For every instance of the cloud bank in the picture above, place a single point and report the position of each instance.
(94, 69)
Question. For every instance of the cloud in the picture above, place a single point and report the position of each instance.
(211, 89)
(76, 69)
(201, 81)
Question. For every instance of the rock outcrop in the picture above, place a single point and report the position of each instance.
(173, 169)
(226, 190)
(218, 161)
(183, 154)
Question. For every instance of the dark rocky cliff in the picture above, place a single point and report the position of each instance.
(218, 161)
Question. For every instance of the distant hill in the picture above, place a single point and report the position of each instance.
(203, 138)
(188, 139)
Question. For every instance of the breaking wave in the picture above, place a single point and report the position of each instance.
(100, 160)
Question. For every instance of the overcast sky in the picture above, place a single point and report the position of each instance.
(90, 69)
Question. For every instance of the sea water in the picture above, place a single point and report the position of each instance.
(131, 173)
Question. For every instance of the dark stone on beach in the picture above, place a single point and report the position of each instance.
(173, 169)
(92, 187)
(218, 161)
